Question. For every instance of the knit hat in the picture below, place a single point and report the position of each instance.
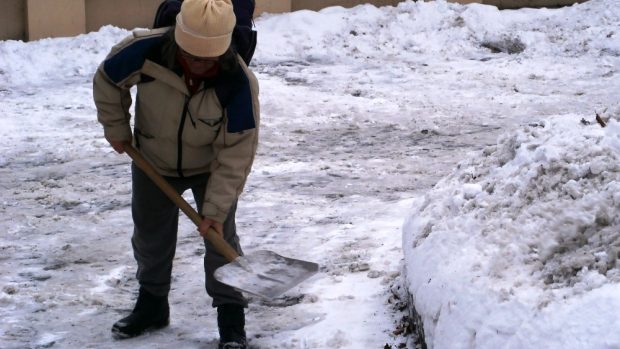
(204, 27)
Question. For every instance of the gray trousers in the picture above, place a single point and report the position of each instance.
(154, 239)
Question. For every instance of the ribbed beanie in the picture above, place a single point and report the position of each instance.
(204, 27)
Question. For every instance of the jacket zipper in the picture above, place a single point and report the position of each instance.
(180, 138)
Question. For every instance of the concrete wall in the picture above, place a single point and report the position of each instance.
(13, 20)
(273, 6)
(120, 13)
(35, 19)
(319, 4)
(512, 4)
(65, 18)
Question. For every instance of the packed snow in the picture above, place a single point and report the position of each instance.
(519, 246)
(450, 150)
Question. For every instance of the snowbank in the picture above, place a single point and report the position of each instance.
(446, 30)
(43, 62)
(518, 247)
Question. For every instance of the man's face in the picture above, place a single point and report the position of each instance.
(198, 65)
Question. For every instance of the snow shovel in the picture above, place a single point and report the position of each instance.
(261, 273)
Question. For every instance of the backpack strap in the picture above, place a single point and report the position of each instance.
(244, 42)
(167, 13)
(244, 35)
(244, 11)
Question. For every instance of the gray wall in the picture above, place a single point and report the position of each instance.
(319, 4)
(13, 20)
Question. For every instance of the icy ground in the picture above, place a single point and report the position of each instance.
(363, 110)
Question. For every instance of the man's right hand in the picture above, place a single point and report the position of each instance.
(119, 146)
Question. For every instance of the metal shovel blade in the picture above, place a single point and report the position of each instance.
(265, 273)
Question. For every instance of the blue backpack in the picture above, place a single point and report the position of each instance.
(244, 35)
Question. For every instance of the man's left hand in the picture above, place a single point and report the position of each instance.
(210, 223)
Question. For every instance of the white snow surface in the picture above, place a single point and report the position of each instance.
(518, 247)
(473, 126)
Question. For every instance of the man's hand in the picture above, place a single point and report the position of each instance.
(210, 223)
(119, 146)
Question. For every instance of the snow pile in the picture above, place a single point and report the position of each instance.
(45, 63)
(518, 247)
(440, 28)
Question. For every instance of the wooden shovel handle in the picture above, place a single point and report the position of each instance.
(218, 242)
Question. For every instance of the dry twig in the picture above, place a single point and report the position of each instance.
(600, 120)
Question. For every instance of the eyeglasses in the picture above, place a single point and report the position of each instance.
(195, 59)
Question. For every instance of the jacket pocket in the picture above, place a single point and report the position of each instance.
(211, 122)
(143, 134)
(204, 132)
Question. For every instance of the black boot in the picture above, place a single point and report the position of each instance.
(150, 312)
(231, 323)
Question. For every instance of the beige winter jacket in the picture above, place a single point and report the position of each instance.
(214, 130)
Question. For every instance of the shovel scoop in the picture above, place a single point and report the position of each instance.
(265, 273)
(261, 273)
